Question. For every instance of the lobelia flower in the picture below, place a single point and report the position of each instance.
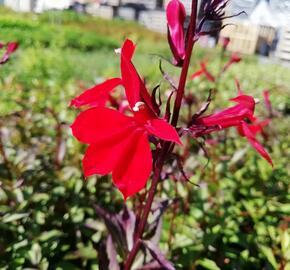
(176, 14)
(235, 58)
(234, 116)
(203, 71)
(11, 47)
(257, 125)
(119, 143)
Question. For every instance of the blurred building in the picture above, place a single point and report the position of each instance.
(263, 29)
(42, 5)
(20, 5)
(273, 12)
(150, 13)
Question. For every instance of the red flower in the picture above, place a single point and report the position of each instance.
(235, 58)
(11, 47)
(234, 116)
(203, 71)
(176, 14)
(119, 143)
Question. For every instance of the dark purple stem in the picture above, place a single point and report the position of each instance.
(144, 218)
(166, 146)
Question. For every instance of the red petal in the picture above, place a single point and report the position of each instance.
(196, 74)
(97, 124)
(131, 81)
(235, 58)
(160, 128)
(102, 157)
(252, 140)
(133, 169)
(234, 115)
(97, 95)
(175, 13)
(128, 49)
(207, 74)
(246, 101)
(11, 47)
(134, 87)
(256, 127)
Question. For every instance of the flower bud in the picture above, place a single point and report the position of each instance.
(176, 14)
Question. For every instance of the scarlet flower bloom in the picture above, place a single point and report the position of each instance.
(203, 71)
(11, 47)
(234, 116)
(235, 58)
(119, 143)
(176, 14)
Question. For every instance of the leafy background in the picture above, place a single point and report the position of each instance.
(238, 217)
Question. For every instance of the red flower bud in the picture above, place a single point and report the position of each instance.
(176, 14)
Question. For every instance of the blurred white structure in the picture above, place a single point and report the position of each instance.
(36, 5)
(275, 13)
(263, 15)
(154, 20)
(21, 5)
(43, 5)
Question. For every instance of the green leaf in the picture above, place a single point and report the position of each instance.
(35, 254)
(87, 252)
(285, 244)
(208, 264)
(10, 218)
(45, 236)
(268, 253)
(287, 266)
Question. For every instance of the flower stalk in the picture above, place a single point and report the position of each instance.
(166, 146)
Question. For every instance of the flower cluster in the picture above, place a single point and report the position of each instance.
(119, 136)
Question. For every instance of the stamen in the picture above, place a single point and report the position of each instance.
(118, 51)
(138, 106)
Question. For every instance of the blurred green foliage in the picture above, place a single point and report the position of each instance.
(237, 219)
